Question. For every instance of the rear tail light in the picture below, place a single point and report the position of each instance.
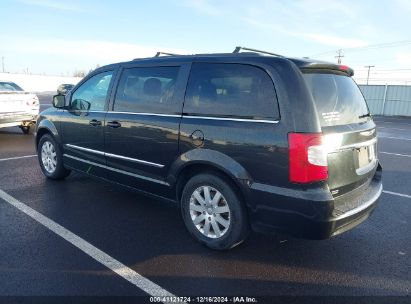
(307, 157)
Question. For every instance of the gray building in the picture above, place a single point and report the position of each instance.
(388, 99)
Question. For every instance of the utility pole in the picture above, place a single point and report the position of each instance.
(2, 63)
(369, 68)
(339, 56)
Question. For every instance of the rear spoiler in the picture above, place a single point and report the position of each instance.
(328, 66)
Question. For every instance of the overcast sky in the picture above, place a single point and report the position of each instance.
(59, 37)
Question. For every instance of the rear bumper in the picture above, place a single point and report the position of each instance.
(11, 119)
(313, 214)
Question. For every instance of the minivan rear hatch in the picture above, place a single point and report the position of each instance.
(349, 133)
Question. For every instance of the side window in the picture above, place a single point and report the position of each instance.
(231, 90)
(146, 89)
(92, 94)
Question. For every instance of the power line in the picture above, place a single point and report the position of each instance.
(368, 47)
(386, 70)
(407, 74)
(383, 79)
(383, 45)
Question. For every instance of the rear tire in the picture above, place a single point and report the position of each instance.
(25, 129)
(51, 158)
(213, 213)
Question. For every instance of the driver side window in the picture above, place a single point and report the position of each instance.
(92, 95)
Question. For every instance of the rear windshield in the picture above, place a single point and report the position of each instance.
(338, 99)
(9, 86)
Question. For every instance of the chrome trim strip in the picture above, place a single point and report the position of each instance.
(85, 149)
(117, 170)
(362, 207)
(146, 114)
(232, 119)
(358, 145)
(200, 117)
(134, 160)
(131, 113)
(85, 111)
(188, 116)
(116, 156)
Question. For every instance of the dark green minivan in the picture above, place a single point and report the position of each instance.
(243, 140)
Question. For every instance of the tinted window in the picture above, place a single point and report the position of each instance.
(92, 94)
(337, 98)
(230, 90)
(9, 86)
(146, 89)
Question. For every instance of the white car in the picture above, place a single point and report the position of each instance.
(17, 107)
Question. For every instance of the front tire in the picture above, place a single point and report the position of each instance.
(213, 213)
(51, 158)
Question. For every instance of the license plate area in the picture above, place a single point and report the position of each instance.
(365, 155)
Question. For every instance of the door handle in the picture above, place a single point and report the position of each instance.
(113, 124)
(95, 122)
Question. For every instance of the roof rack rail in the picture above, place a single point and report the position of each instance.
(158, 54)
(238, 49)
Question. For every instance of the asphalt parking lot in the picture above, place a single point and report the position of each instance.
(149, 238)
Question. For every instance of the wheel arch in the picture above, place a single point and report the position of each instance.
(46, 127)
(204, 160)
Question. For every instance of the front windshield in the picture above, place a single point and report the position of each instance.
(9, 87)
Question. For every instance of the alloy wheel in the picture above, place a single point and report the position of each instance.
(210, 212)
(49, 157)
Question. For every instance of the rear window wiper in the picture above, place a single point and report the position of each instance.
(365, 115)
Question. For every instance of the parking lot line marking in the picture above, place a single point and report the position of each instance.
(122, 270)
(390, 137)
(397, 194)
(17, 157)
(397, 154)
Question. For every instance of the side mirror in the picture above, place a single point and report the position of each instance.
(59, 101)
